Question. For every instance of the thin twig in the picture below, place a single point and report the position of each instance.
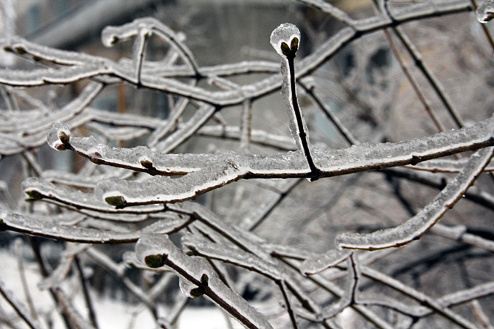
(87, 295)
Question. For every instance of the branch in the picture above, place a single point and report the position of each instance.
(17, 306)
(50, 227)
(210, 171)
(427, 217)
(157, 250)
(285, 39)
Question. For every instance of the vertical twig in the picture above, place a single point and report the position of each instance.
(246, 124)
(282, 285)
(18, 246)
(85, 291)
(430, 77)
(18, 308)
(44, 273)
(285, 39)
(139, 52)
(404, 67)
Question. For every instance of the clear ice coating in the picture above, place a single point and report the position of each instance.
(286, 33)
(59, 136)
(485, 11)
(413, 228)
(156, 250)
(153, 249)
(319, 263)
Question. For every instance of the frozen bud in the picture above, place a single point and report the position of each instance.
(285, 39)
(146, 162)
(59, 137)
(155, 261)
(33, 194)
(94, 153)
(153, 249)
(109, 37)
(191, 290)
(115, 199)
(485, 12)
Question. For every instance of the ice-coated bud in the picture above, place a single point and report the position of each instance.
(115, 199)
(146, 162)
(109, 37)
(33, 195)
(485, 12)
(152, 249)
(59, 136)
(189, 289)
(285, 39)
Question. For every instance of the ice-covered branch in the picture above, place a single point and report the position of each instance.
(94, 67)
(427, 217)
(285, 39)
(138, 193)
(157, 250)
(52, 227)
(445, 166)
(321, 262)
(418, 296)
(204, 172)
(113, 34)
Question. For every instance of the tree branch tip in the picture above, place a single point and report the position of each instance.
(59, 137)
(285, 40)
(155, 261)
(146, 162)
(33, 195)
(115, 199)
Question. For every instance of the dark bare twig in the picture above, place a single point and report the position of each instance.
(285, 39)
(87, 295)
(18, 308)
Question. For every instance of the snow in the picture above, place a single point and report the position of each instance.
(111, 313)
(158, 250)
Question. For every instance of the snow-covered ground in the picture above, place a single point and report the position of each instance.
(111, 314)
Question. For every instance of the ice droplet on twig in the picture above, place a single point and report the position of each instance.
(284, 38)
(59, 136)
(485, 11)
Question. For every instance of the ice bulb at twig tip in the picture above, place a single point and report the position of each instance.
(485, 12)
(108, 37)
(59, 137)
(285, 39)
